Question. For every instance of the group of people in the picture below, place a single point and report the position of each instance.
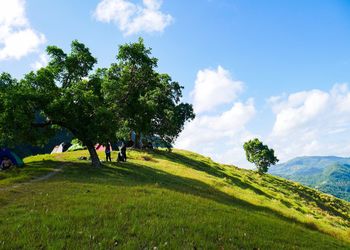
(6, 163)
(121, 154)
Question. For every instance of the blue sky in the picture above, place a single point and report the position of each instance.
(277, 70)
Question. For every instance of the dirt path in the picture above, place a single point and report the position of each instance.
(37, 179)
(47, 176)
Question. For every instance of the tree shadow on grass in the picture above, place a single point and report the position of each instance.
(310, 195)
(215, 169)
(210, 168)
(131, 174)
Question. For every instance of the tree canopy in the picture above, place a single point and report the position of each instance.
(95, 106)
(259, 154)
(149, 102)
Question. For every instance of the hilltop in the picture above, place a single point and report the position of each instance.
(163, 200)
(329, 174)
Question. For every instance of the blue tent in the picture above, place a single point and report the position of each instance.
(12, 156)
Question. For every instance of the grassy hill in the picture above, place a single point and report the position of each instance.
(328, 174)
(161, 200)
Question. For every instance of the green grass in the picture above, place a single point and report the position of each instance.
(161, 200)
(37, 166)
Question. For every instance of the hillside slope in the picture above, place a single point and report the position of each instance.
(161, 200)
(328, 174)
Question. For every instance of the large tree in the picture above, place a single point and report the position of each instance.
(259, 154)
(149, 101)
(95, 106)
(60, 95)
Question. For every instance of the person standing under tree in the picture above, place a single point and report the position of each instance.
(122, 152)
(108, 150)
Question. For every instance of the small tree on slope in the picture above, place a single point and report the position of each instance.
(260, 155)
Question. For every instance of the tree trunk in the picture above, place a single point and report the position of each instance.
(95, 161)
(137, 141)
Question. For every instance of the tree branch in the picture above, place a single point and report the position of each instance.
(42, 125)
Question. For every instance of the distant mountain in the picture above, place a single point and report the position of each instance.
(329, 174)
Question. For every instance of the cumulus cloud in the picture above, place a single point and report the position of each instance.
(133, 18)
(299, 109)
(214, 88)
(221, 134)
(42, 61)
(17, 38)
(211, 129)
(312, 122)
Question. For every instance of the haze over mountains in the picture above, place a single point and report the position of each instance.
(329, 174)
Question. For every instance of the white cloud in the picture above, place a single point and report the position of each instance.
(312, 122)
(211, 129)
(17, 38)
(220, 135)
(214, 88)
(298, 110)
(133, 18)
(41, 62)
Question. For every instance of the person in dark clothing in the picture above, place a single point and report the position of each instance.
(108, 151)
(122, 153)
(6, 163)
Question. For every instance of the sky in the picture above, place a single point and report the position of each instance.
(273, 70)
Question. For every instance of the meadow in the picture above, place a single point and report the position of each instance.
(162, 200)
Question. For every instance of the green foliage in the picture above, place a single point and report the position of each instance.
(76, 141)
(260, 155)
(95, 106)
(148, 102)
(76, 145)
(17, 114)
(60, 95)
